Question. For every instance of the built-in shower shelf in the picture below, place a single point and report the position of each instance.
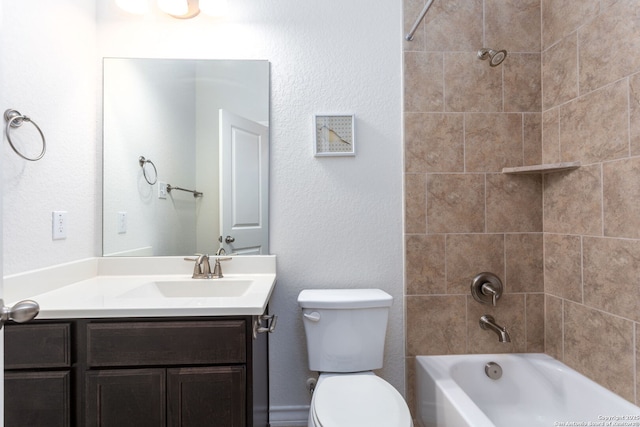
(546, 168)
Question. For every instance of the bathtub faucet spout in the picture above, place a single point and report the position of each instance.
(488, 322)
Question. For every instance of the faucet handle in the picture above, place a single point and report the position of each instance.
(197, 257)
(217, 268)
(486, 288)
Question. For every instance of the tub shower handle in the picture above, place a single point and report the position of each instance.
(486, 288)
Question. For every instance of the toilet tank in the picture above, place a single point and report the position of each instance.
(345, 328)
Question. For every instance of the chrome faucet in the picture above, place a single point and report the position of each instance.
(202, 269)
(488, 322)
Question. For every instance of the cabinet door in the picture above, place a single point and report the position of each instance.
(125, 398)
(210, 396)
(34, 399)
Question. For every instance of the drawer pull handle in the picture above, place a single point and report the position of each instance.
(270, 327)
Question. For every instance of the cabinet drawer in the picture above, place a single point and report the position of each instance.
(37, 346)
(166, 343)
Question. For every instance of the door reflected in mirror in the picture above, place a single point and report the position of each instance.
(201, 127)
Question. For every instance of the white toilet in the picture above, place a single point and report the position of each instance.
(345, 331)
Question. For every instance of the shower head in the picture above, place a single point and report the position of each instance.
(495, 56)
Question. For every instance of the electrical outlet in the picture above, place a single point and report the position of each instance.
(122, 222)
(162, 190)
(59, 225)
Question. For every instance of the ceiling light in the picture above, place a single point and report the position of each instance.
(214, 7)
(138, 7)
(182, 9)
(174, 7)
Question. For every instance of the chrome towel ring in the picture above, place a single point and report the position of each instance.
(143, 162)
(15, 120)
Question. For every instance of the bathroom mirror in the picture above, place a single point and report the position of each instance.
(185, 156)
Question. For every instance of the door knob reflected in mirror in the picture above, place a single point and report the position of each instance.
(21, 312)
(229, 239)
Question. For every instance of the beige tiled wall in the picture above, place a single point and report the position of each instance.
(566, 245)
(464, 122)
(590, 65)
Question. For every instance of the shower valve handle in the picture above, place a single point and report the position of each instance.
(486, 288)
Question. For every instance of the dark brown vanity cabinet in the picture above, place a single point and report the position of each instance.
(144, 372)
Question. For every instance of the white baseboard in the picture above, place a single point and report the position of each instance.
(288, 416)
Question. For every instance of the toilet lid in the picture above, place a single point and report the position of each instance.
(359, 400)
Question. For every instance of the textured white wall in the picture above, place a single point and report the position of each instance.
(50, 74)
(335, 222)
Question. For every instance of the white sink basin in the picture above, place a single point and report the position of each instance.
(193, 288)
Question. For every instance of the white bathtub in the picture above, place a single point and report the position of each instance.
(534, 390)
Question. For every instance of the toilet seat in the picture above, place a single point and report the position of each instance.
(351, 400)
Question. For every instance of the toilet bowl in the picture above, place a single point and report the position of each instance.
(345, 330)
(360, 399)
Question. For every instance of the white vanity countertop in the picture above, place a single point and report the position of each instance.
(123, 287)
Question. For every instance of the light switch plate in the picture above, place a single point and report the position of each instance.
(122, 222)
(162, 190)
(59, 225)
